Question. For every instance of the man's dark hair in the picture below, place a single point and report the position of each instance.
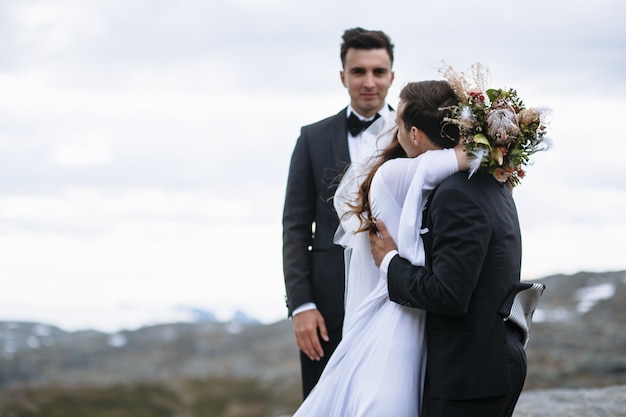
(359, 38)
(428, 105)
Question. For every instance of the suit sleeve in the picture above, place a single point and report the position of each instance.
(460, 240)
(298, 217)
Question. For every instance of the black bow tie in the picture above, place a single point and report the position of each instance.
(356, 125)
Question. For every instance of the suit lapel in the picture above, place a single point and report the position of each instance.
(340, 139)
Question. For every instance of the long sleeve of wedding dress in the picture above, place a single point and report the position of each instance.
(378, 368)
(399, 192)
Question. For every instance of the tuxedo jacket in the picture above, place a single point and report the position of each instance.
(313, 265)
(473, 258)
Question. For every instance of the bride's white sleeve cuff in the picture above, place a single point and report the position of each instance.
(384, 265)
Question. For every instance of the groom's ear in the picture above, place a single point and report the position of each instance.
(417, 136)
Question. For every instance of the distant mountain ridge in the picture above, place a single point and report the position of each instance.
(114, 319)
(578, 339)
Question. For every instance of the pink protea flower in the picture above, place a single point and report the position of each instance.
(502, 123)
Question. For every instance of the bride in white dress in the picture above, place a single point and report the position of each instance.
(378, 368)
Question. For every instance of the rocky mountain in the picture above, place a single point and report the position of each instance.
(578, 340)
(37, 354)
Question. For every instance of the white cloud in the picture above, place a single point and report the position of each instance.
(53, 28)
(89, 151)
(145, 146)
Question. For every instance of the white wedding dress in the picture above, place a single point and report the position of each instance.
(378, 368)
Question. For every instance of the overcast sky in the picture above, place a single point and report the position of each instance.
(144, 145)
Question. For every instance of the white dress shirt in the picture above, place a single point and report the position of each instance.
(360, 149)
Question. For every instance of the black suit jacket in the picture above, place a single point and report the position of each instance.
(473, 252)
(313, 265)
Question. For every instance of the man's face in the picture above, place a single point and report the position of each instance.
(367, 75)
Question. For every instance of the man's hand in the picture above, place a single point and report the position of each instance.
(305, 327)
(381, 242)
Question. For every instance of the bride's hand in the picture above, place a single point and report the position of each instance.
(462, 157)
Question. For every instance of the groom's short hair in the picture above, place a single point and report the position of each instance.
(428, 106)
(359, 38)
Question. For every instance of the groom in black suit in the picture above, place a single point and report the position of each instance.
(313, 265)
(476, 364)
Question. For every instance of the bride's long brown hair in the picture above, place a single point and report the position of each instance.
(427, 105)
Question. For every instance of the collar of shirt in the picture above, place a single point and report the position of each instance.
(359, 149)
(383, 113)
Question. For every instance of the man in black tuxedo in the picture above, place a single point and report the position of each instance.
(476, 363)
(313, 265)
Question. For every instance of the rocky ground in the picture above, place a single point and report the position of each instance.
(600, 402)
(576, 363)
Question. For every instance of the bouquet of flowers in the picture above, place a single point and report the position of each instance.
(495, 125)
